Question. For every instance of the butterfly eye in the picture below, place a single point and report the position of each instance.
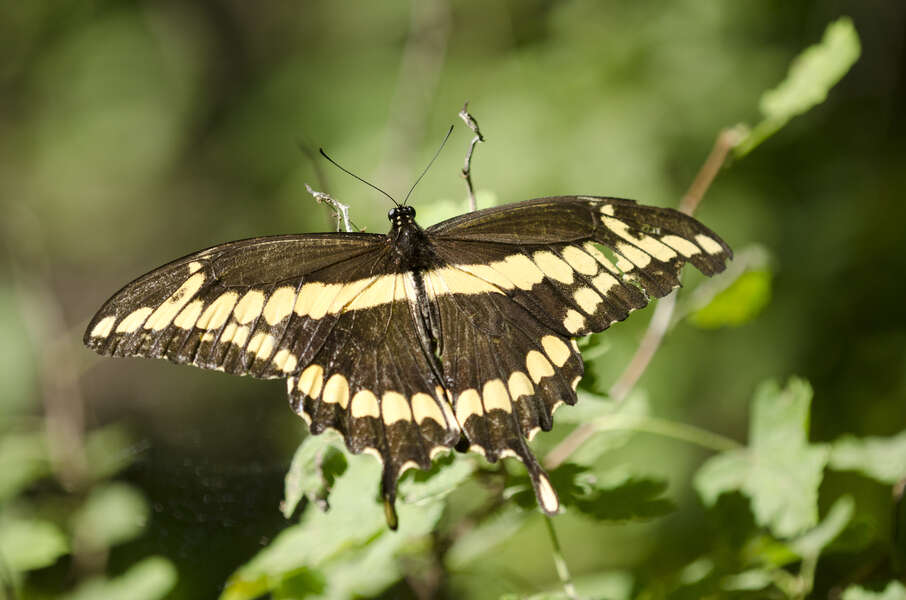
(394, 212)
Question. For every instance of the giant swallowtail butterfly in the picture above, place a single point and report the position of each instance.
(410, 343)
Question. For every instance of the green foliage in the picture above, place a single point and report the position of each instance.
(113, 513)
(617, 497)
(317, 463)
(780, 471)
(894, 591)
(23, 460)
(883, 459)
(741, 302)
(812, 74)
(150, 579)
(348, 549)
(27, 544)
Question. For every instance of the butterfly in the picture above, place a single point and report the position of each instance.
(421, 340)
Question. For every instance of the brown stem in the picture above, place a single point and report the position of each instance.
(663, 312)
(472, 124)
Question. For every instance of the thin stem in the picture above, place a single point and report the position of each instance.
(472, 124)
(340, 210)
(669, 429)
(559, 561)
(663, 313)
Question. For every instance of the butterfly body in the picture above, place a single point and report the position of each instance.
(416, 341)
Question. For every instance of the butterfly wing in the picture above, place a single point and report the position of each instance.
(519, 281)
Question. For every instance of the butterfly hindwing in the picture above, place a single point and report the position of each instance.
(375, 385)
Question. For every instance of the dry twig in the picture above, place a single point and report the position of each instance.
(472, 124)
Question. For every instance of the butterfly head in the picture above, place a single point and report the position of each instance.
(401, 215)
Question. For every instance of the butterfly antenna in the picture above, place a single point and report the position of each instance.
(348, 172)
(436, 154)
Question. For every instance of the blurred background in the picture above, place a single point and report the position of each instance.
(134, 132)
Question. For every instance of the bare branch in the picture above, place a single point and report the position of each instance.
(663, 312)
(472, 124)
(340, 210)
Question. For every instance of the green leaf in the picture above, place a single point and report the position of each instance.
(317, 463)
(751, 580)
(811, 76)
(112, 514)
(109, 450)
(883, 459)
(894, 591)
(812, 543)
(741, 302)
(150, 579)
(350, 545)
(23, 460)
(780, 471)
(27, 544)
(485, 536)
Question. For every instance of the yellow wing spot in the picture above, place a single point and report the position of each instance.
(194, 267)
(217, 313)
(575, 382)
(357, 292)
(647, 243)
(279, 305)
(336, 391)
(520, 385)
(409, 464)
(189, 315)
(311, 380)
(553, 266)
(709, 244)
(488, 274)
(450, 280)
(373, 452)
(587, 299)
(580, 261)
(394, 407)
(165, 313)
(386, 289)
(605, 282)
(248, 309)
(467, 404)
(537, 366)
(575, 345)
(261, 345)
(606, 209)
(634, 255)
(285, 361)
(208, 336)
(681, 245)
(546, 494)
(365, 404)
(494, 395)
(426, 407)
(555, 349)
(573, 322)
(103, 327)
(134, 320)
(519, 269)
(437, 451)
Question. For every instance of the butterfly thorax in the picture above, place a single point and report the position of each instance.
(409, 241)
